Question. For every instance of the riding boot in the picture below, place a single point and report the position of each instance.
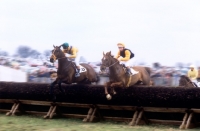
(77, 73)
(123, 65)
(128, 71)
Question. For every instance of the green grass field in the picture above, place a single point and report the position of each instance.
(33, 123)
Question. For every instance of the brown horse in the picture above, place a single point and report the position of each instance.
(186, 82)
(118, 76)
(67, 69)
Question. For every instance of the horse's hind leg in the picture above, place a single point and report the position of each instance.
(113, 91)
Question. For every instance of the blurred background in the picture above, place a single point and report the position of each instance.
(30, 67)
(163, 35)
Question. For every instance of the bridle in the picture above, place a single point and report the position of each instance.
(70, 62)
(56, 57)
(111, 64)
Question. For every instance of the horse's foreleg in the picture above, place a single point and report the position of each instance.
(117, 84)
(106, 85)
(52, 85)
(108, 96)
(59, 85)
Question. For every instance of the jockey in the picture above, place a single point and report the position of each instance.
(125, 56)
(192, 74)
(73, 54)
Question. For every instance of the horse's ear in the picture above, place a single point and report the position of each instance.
(103, 53)
(109, 53)
(59, 46)
(54, 46)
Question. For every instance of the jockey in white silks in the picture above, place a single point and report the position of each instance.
(126, 57)
(72, 53)
(193, 74)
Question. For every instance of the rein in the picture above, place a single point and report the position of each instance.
(56, 57)
(61, 58)
(68, 64)
(111, 64)
(190, 82)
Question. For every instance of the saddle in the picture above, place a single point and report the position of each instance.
(129, 71)
(82, 69)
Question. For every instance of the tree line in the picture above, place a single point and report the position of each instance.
(26, 51)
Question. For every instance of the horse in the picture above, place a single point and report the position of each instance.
(118, 76)
(67, 69)
(186, 82)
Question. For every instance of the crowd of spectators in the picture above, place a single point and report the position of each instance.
(46, 72)
(43, 72)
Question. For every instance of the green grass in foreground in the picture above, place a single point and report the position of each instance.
(33, 123)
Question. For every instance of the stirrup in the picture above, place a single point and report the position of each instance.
(123, 65)
(77, 74)
(128, 73)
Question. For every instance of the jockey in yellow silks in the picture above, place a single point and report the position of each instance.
(72, 52)
(193, 74)
(125, 56)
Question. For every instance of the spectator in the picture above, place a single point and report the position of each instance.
(193, 74)
(198, 77)
(43, 73)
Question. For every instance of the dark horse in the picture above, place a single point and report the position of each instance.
(186, 82)
(67, 69)
(118, 77)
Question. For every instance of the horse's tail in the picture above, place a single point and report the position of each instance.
(97, 77)
(148, 69)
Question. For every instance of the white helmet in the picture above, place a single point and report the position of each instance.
(191, 66)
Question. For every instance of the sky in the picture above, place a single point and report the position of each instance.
(164, 31)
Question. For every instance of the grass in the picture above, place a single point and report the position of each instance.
(33, 123)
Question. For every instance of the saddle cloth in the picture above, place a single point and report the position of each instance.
(134, 71)
(82, 69)
(198, 84)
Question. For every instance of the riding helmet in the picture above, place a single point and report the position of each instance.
(121, 44)
(65, 45)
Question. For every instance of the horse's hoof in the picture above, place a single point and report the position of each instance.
(109, 97)
(45, 117)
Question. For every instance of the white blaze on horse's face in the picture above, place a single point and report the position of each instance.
(103, 64)
(104, 58)
(53, 56)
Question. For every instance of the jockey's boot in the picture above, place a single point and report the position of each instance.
(128, 71)
(77, 73)
(123, 65)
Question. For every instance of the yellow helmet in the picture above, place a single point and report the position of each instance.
(121, 44)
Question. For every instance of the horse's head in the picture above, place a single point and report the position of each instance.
(107, 61)
(56, 53)
(185, 81)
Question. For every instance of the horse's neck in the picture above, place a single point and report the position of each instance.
(116, 70)
(63, 63)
